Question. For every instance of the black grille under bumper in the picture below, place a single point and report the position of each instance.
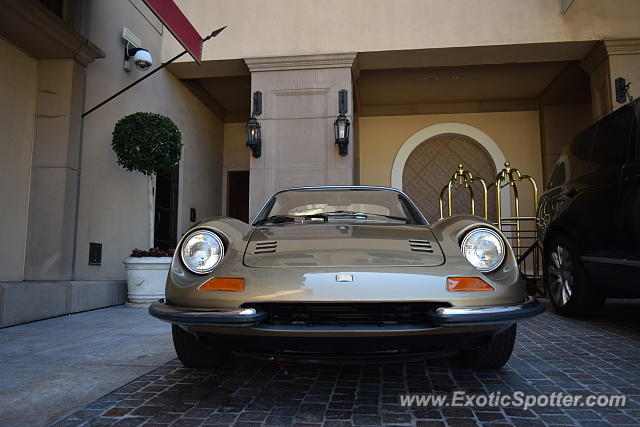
(349, 349)
(346, 314)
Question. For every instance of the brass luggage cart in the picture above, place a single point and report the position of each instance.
(462, 178)
(519, 229)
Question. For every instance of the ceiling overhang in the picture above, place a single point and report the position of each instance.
(475, 55)
(40, 33)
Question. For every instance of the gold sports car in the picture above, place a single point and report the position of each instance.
(344, 274)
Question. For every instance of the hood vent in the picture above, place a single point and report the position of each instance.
(266, 247)
(420, 246)
(326, 245)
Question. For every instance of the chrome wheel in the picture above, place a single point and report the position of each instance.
(566, 281)
(561, 275)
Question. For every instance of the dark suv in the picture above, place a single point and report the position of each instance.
(589, 216)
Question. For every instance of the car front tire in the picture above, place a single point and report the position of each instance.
(192, 353)
(493, 355)
(566, 283)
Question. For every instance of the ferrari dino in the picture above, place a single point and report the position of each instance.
(344, 274)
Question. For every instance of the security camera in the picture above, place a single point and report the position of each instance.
(140, 57)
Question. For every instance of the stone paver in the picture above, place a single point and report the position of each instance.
(553, 354)
(54, 366)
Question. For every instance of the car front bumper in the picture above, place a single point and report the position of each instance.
(248, 331)
(221, 317)
(459, 316)
(251, 318)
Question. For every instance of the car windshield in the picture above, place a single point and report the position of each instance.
(376, 206)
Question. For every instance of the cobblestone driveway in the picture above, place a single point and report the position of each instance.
(552, 354)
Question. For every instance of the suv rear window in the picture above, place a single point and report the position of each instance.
(559, 175)
(580, 151)
(612, 141)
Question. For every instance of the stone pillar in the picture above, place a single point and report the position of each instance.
(55, 171)
(609, 60)
(299, 106)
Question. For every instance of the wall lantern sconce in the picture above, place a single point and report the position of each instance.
(342, 124)
(622, 91)
(254, 137)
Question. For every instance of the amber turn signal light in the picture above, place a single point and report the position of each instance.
(223, 284)
(464, 284)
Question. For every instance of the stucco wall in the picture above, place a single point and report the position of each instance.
(18, 77)
(517, 134)
(561, 124)
(264, 28)
(113, 202)
(200, 181)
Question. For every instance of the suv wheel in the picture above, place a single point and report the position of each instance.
(493, 355)
(566, 283)
(192, 353)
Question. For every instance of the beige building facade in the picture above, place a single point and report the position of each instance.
(511, 80)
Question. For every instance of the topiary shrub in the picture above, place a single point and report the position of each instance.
(149, 143)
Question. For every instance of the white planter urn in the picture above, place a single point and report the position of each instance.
(146, 278)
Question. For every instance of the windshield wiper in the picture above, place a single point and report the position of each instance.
(344, 213)
(283, 219)
(364, 215)
(396, 218)
(323, 216)
(277, 219)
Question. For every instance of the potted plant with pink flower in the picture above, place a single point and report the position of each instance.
(149, 143)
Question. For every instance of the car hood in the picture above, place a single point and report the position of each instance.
(335, 245)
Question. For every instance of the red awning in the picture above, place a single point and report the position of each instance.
(172, 17)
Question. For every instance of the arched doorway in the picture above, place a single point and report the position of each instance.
(426, 161)
(431, 164)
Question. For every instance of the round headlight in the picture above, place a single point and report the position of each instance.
(201, 251)
(484, 249)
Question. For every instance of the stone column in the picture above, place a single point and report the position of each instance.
(609, 60)
(55, 171)
(299, 106)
